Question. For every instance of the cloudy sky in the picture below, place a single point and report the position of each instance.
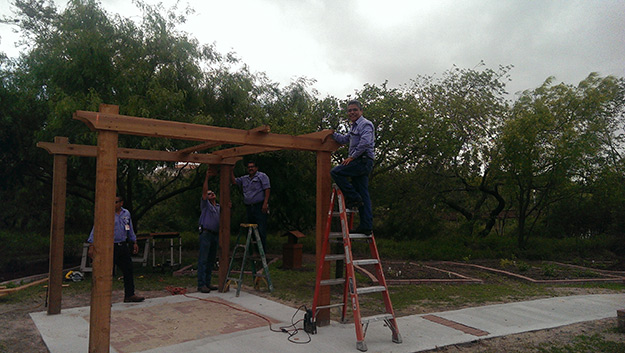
(344, 44)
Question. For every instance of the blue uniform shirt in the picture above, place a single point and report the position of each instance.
(254, 187)
(209, 218)
(361, 138)
(123, 228)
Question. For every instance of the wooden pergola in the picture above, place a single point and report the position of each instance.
(108, 124)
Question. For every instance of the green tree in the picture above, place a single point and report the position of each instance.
(466, 109)
(83, 56)
(555, 140)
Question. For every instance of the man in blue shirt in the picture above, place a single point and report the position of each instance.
(209, 236)
(124, 233)
(357, 165)
(256, 188)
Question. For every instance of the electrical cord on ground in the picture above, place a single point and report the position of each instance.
(294, 330)
(291, 329)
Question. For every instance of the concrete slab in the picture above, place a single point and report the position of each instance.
(202, 323)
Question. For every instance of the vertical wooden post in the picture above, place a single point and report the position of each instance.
(324, 188)
(57, 230)
(104, 215)
(224, 223)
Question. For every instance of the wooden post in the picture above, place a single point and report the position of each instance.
(104, 215)
(224, 223)
(57, 230)
(324, 188)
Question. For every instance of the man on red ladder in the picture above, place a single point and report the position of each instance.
(357, 166)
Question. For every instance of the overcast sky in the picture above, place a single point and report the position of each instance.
(346, 44)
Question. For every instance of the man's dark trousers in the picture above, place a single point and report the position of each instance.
(122, 258)
(358, 190)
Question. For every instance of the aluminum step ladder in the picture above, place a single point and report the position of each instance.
(351, 291)
(252, 240)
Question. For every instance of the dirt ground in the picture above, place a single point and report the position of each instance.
(19, 334)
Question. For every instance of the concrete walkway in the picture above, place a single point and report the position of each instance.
(221, 322)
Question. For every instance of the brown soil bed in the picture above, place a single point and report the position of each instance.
(536, 271)
(408, 272)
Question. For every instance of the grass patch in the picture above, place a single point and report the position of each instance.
(583, 343)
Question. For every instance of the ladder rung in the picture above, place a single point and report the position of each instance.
(348, 211)
(374, 289)
(335, 257)
(339, 235)
(337, 305)
(378, 317)
(330, 282)
(366, 262)
(359, 236)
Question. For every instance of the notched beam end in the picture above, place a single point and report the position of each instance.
(263, 129)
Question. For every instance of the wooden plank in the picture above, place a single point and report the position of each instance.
(224, 223)
(262, 128)
(324, 189)
(5, 291)
(102, 276)
(200, 147)
(240, 151)
(131, 153)
(172, 129)
(57, 230)
(243, 151)
(207, 145)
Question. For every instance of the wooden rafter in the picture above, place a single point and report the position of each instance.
(124, 124)
(207, 145)
(138, 154)
(240, 151)
(200, 147)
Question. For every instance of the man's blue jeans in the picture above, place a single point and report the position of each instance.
(209, 242)
(358, 190)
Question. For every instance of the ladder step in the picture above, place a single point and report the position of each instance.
(378, 317)
(337, 305)
(339, 235)
(335, 257)
(348, 211)
(374, 289)
(366, 262)
(329, 282)
(334, 235)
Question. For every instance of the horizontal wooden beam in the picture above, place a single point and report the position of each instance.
(262, 128)
(240, 151)
(200, 147)
(207, 145)
(186, 131)
(247, 150)
(130, 153)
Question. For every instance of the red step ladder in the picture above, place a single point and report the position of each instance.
(350, 289)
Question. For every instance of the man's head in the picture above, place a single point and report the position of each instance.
(354, 110)
(210, 195)
(119, 202)
(251, 168)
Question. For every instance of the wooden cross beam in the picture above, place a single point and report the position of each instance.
(124, 124)
(321, 136)
(131, 153)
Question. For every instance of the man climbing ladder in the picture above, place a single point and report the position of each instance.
(350, 289)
